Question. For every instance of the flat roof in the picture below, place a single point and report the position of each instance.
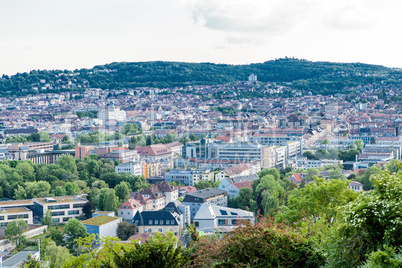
(27, 202)
(60, 199)
(99, 220)
(18, 258)
(14, 210)
(102, 212)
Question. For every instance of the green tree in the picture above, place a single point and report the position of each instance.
(359, 144)
(125, 230)
(122, 191)
(56, 255)
(326, 142)
(15, 231)
(31, 262)
(47, 219)
(107, 200)
(320, 199)
(59, 191)
(74, 229)
(67, 162)
(158, 251)
(44, 136)
(26, 170)
(71, 188)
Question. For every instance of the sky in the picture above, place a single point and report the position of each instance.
(74, 34)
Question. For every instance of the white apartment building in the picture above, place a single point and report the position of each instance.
(112, 113)
(131, 167)
(189, 177)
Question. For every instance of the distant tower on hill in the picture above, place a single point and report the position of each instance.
(252, 78)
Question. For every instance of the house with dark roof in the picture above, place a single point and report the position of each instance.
(158, 221)
(209, 196)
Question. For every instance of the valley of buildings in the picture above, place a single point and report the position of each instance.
(256, 133)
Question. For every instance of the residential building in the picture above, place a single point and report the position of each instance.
(131, 167)
(160, 221)
(128, 209)
(356, 186)
(209, 196)
(212, 217)
(157, 196)
(189, 177)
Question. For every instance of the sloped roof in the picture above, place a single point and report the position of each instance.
(153, 150)
(245, 184)
(131, 204)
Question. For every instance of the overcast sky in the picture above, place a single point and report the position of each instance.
(73, 34)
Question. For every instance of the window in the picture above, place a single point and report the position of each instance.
(12, 217)
(150, 222)
(121, 213)
(161, 222)
(156, 222)
(57, 213)
(160, 230)
(58, 207)
(1, 218)
(172, 222)
(77, 206)
(66, 219)
(73, 212)
(222, 222)
(234, 222)
(197, 224)
(56, 220)
(167, 222)
(149, 230)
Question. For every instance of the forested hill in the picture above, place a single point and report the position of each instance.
(317, 77)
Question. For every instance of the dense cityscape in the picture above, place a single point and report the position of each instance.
(250, 173)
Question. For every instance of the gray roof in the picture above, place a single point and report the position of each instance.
(252, 177)
(203, 194)
(18, 258)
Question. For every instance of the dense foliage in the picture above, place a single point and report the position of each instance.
(317, 77)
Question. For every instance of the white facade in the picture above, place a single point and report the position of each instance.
(211, 217)
(63, 207)
(112, 113)
(8, 215)
(131, 167)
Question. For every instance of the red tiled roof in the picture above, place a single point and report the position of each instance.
(244, 184)
(131, 204)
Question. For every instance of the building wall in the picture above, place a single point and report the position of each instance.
(176, 229)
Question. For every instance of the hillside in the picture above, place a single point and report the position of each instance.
(317, 77)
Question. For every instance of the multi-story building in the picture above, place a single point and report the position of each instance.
(158, 221)
(212, 217)
(10, 214)
(157, 196)
(63, 208)
(112, 114)
(131, 167)
(189, 177)
(82, 151)
(209, 196)
(128, 209)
